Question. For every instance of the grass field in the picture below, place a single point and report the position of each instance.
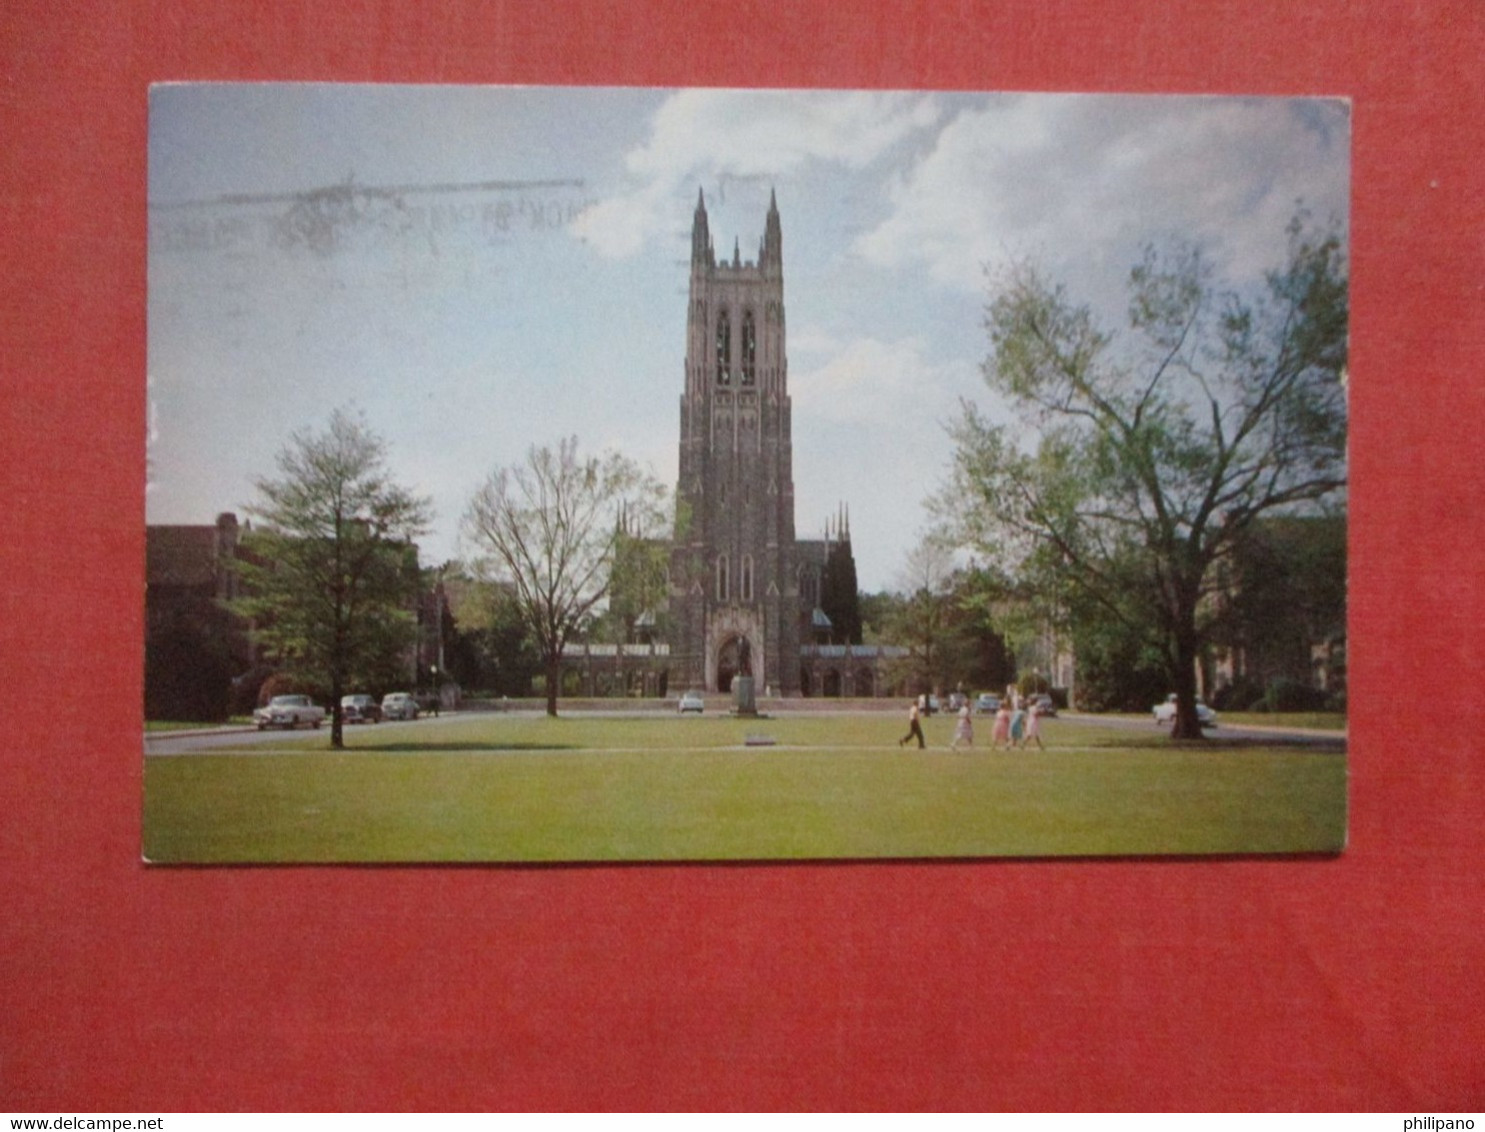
(522, 788)
(1313, 720)
(1304, 720)
(187, 725)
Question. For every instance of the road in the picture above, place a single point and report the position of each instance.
(237, 737)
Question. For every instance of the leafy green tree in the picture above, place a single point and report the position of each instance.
(1286, 592)
(190, 655)
(990, 619)
(923, 619)
(1138, 464)
(549, 528)
(639, 578)
(330, 571)
(488, 645)
(839, 597)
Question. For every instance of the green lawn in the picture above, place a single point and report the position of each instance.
(1311, 720)
(1304, 720)
(520, 788)
(186, 725)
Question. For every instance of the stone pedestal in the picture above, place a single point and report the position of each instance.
(743, 702)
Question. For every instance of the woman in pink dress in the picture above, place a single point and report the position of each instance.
(1002, 732)
(1033, 725)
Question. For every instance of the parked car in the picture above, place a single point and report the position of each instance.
(290, 712)
(691, 701)
(360, 709)
(987, 704)
(399, 705)
(1045, 705)
(1165, 714)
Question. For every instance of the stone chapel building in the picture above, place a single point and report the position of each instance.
(744, 591)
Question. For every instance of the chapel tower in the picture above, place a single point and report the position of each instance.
(734, 585)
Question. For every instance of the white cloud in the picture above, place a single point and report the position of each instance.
(871, 382)
(869, 417)
(1080, 182)
(745, 134)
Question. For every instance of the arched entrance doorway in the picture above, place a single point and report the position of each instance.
(735, 658)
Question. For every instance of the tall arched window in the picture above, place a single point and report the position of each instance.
(746, 583)
(749, 349)
(723, 581)
(724, 349)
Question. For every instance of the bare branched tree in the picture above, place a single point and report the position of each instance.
(549, 528)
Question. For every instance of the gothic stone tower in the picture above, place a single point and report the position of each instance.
(734, 586)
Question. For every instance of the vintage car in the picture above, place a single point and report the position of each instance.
(987, 704)
(691, 701)
(288, 711)
(399, 705)
(1165, 714)
(360, 709)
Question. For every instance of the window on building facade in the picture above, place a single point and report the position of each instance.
(749, 349)
(747, 577)
(724, 348)
(723, 582)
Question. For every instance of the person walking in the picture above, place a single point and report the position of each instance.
(1002, 732)
(914, 727)
(1034, 725)
(964, 730)
(1018, 726)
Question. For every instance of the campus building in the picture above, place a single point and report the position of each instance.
(745, 592)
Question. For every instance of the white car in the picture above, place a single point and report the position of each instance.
(359, 709)
(691, 701)
(1165, 714)
(399, 705)
(290, 712)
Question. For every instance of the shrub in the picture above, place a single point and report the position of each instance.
(1237, 696)
(1033, 684)
(283, 684)
(1290, 695)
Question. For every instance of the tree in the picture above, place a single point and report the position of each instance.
(1285, 596)
(839, 598)
(332, 575)
(191, 652)
(487, 645)
(549, 528)
(923, 620)
(639, 581)
(1155, 455)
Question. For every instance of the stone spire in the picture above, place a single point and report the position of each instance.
(701, 236)
(773, 237)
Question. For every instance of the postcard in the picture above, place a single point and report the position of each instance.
(548, 474)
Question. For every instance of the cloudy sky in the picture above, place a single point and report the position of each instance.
(476, 269)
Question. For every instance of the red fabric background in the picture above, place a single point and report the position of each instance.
(1349, 983)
